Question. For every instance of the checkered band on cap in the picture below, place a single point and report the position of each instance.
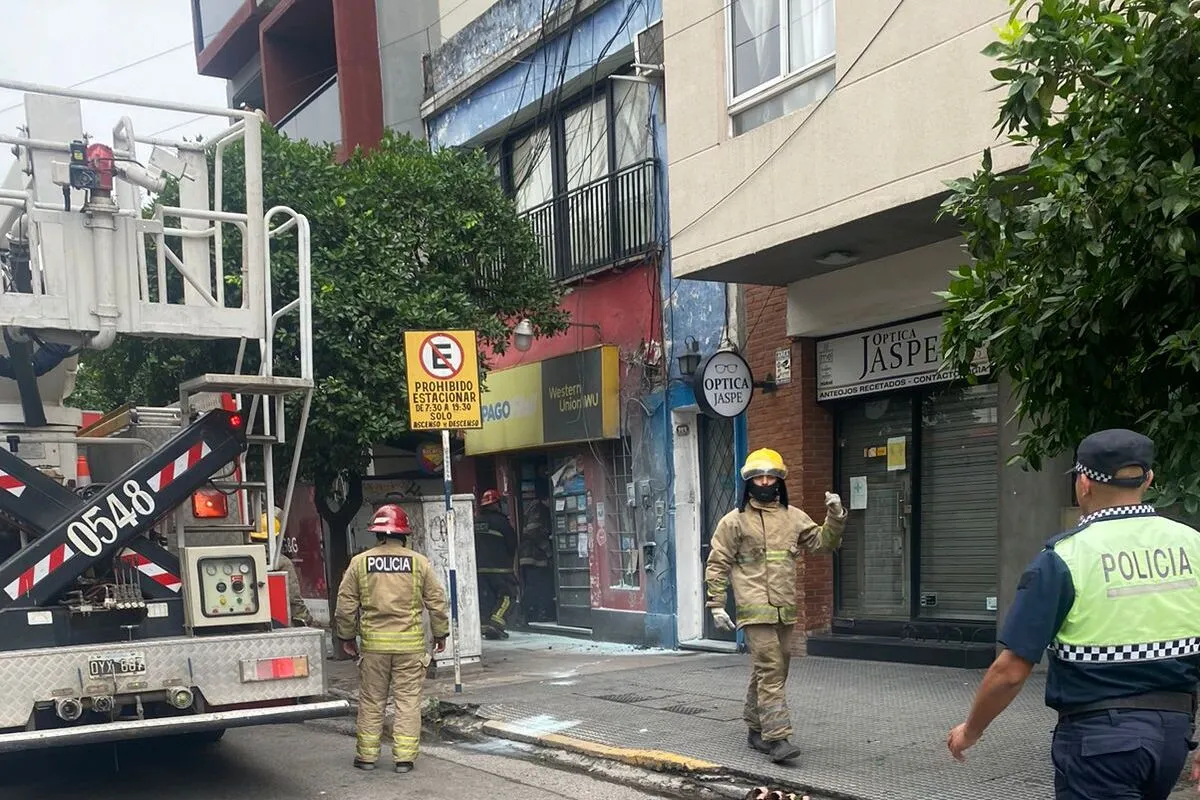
(1121, 653)
(1119, 511)
(1095, 475)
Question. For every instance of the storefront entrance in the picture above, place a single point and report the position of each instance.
(718, 497)
(918, 471)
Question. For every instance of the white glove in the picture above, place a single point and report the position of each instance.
(834, 503)
(721, 620)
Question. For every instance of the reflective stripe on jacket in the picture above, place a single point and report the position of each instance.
(756, 550)
(1137, 591)
(382, 596)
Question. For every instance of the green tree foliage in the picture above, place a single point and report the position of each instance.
(402, 239)
(1086, 264)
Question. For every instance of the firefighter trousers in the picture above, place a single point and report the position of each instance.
(766, 709)
(401, 675)
(496, 592)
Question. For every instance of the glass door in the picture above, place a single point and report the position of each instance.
(875, 442)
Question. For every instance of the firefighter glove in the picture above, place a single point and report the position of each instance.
(721, 620)
(834, 503)
(439, 644)
(350, 647)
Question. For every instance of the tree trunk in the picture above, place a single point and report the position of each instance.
(337, 554)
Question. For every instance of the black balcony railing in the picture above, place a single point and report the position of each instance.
(601, 224)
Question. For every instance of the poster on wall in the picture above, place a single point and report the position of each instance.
(897, 454)
(858, 493)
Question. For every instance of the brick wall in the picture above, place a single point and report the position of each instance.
(790, 420)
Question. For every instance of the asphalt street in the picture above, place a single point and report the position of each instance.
(286, 762)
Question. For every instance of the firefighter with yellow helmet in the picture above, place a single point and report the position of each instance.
(380, 599)
(300, 614)
(755, 548)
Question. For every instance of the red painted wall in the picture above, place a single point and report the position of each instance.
(360, 85)
(624, 304)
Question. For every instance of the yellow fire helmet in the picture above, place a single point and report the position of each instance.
(764, 462)
(260, 533)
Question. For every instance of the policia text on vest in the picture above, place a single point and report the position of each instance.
(1116, 603)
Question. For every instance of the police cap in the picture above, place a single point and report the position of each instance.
(1105, 453)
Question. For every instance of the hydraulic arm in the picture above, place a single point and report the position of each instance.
(116, 518)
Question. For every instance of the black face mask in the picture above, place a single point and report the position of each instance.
(764, 494)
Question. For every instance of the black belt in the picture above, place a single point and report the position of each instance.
(1183, 702)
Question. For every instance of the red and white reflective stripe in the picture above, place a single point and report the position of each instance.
(11, 485)
(179, 466)
(35, 574)
(151, 570)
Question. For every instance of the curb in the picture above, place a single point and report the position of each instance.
(439, 718)
(656, 760)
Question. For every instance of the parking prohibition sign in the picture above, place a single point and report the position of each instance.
(443, 380)
(441, 356)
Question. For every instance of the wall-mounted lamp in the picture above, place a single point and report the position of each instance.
(689, 359)
(523, 335)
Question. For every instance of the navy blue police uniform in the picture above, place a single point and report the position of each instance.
(1115, 601)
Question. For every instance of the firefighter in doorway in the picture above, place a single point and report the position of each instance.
(755, 547)
(536, 555)
(380, 599)
(300, 614)
(495, 550)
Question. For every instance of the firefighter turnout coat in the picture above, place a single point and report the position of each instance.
(382, 596)
(756, 550)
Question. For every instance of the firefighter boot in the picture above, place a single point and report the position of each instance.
(756, 741)
(363, 765)
(783, 750)
(403, 767)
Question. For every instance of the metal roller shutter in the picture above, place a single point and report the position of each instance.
(960, 502)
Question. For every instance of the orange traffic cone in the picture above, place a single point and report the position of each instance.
(83, 473)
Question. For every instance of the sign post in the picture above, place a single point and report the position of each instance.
(443, 394)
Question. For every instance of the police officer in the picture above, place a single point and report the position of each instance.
(756, 547)
(1117, 603)
(495, 551)
(380, 599)
(300, 614)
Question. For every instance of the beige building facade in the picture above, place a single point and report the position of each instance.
(809, 146)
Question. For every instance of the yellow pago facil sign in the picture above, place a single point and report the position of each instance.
(443, 380)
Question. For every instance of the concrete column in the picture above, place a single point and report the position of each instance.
(1032, 504)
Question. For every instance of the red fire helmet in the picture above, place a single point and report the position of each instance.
(490, 497)
(390, 520)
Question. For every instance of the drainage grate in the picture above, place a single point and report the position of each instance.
(691, 711)
(625, 698)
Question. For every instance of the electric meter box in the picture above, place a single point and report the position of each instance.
(226, 586)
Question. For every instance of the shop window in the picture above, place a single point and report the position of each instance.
(781, 58)
(620, 529)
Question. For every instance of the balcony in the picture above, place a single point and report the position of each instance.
(318, 118)
(599, 225)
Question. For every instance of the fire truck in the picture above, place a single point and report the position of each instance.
(132, 602)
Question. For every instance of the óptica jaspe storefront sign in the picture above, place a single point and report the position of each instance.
(723, 384)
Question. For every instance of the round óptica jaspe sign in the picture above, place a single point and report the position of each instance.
(723, 384)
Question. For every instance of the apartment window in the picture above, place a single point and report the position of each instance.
(781, 58)
(585, 179)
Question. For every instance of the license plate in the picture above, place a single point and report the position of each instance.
(117, 666)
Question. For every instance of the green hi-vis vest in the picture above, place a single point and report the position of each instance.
(1137, 589)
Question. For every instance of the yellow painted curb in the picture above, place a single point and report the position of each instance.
(658, 760)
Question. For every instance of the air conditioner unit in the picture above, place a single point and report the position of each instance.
(648, 50)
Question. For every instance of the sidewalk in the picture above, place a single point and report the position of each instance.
(867, 730)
